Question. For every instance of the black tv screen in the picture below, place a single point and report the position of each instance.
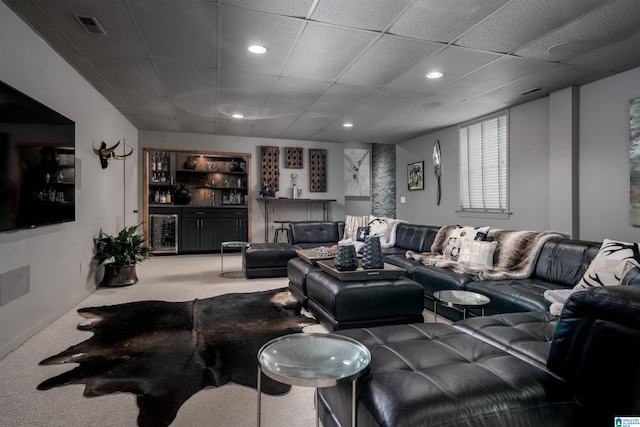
(37, 163)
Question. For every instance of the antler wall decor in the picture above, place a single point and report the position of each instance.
(108, 153)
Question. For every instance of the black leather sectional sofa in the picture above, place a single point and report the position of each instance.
(560, 265)
(520, 369)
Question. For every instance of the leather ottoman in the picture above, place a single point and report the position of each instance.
(297, 271)
(268, 259)
(343, 305)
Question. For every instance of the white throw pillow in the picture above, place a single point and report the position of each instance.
(610, 265)
(380, 227)
(477, 254)
(460, 234)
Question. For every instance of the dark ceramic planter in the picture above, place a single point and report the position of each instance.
(116, 275)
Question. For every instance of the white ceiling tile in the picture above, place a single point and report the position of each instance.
(611, 24)
(333, 60)
(387, 59)
(244, 88)
(387, 100)
(297, 8)
(180, 79)
(365, 14)
(613, 57)
(494, 75)
(149, 106)
(181, 31)
(128, 75)
(295, 93)
(341, 98)
(454, 61)
(249, 113)
(311, 122)
(198, 126)
(233, 127)
(520, 22)
(324, 51)
(240, 29)
(442, 21)
(158, 123)
(121, 39)
(547, 80)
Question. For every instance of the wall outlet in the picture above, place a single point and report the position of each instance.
(403, 199)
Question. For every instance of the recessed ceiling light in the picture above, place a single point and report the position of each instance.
(434, 74)
(257, 48)
(237, 116)
(347, 125)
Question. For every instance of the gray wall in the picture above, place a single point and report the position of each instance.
(604, 157)
(251, 146)
(547, 153)
(58, 257)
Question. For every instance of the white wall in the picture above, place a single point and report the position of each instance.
(59, 256)
(249, 145)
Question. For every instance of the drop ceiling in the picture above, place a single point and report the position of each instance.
(183, 65)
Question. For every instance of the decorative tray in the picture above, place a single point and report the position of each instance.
(312, 256)
(389, 272)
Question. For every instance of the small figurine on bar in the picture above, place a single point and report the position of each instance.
(268, 191)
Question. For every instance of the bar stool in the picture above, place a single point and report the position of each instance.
(281, 229)
(233, 244)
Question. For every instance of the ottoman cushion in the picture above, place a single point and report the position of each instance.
(268, 259)
(362, 301)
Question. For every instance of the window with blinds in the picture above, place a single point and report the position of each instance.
(483, 164)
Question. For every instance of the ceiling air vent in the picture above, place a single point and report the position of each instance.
(90, 24)
(530, 91)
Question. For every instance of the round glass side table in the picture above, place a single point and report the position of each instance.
(313, 360)
(460, 300)
(233, 244)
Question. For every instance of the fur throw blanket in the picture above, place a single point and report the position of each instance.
(514, 258)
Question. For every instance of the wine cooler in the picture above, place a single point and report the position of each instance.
(164, 233)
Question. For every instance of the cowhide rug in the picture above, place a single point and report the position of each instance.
(164, 352)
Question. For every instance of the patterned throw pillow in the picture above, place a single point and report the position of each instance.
(477, 254)
(379, 226)
(460, 234)
(610, 265)
(362, 233)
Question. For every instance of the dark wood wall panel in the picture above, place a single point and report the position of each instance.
(317, 170)
(270, 158)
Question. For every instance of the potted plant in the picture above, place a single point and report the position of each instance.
(120, 254)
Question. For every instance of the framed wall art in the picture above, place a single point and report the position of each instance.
(634, 158)
(357, 172)
(415, 176)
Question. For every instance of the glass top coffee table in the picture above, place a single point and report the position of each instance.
(461, 300)
(313, 360)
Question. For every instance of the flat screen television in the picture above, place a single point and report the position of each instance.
(37, 163)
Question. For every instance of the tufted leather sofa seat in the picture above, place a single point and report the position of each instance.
(311, 234)
(517, 369)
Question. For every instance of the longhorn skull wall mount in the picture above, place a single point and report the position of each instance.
(108, 153)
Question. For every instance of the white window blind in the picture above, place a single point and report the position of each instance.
(483, 165)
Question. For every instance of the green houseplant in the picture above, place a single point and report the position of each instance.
(120, 254)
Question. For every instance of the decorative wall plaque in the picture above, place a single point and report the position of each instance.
(293, 157)
(317, 170)
(270, 158)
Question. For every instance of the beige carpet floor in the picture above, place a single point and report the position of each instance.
(168, 278)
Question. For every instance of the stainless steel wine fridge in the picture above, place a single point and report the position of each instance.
(164, 233)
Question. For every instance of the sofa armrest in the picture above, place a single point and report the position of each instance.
(592, 350)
